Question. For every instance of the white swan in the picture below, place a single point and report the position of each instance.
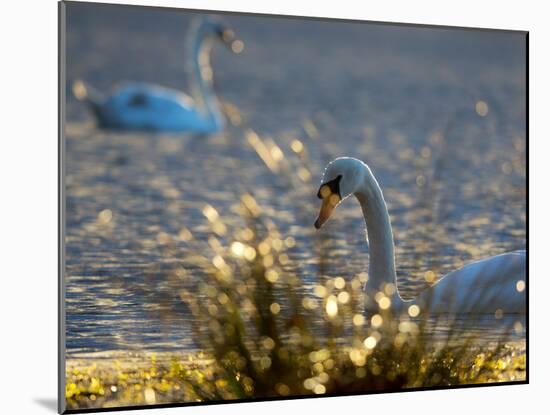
(492, 285)
(140, 106)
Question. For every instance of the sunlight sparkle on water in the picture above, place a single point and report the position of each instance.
(276, 153)
(237, 46)
(105, 216)
(482, 108)
(339, 283)
(370, 342)
(429, 276)
(332, 306)
(376, 321)
(185, 234)
(272, 276)
(297, 146)
(311, 129)
(250, 203)
(520, 286)
(262, 150)
(414, 310)
(320, 291)
(210, 213)
(238, 248)
(264, 248)
(275, 308)
(358, 320)
(304, 174)
(384, 303)
(249, 253)
(343, 297)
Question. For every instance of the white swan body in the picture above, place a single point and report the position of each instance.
(146, 107)
(492, 285)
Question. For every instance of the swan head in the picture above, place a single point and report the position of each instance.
(218, 29)
(342, 178)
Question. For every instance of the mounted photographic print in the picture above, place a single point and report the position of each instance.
(260, 207)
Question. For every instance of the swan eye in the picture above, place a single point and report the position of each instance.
(330, 187)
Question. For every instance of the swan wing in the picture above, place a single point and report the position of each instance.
(160, 96)
(145, 106)
(486, 286)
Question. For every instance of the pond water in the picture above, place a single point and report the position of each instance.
(402, 99)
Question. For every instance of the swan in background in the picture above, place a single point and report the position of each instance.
(146, 107)
(492, 285)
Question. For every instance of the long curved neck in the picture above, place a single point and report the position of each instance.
(200, 76)
(379, 233)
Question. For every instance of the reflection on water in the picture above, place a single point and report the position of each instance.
(444, 134)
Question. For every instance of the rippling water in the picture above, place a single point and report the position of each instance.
(401, 99)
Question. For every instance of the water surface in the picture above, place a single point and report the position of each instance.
(402, 99)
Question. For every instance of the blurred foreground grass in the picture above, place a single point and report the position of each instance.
(259, 330)
(198, 378)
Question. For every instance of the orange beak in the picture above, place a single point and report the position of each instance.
(330, 201)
